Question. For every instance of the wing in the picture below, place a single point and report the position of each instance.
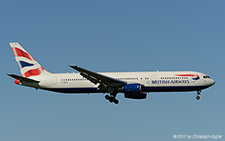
(97, 78)
(23, 78)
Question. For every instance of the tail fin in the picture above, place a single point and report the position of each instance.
(27, 64)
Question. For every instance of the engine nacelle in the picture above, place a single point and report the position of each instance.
(132, 88)
(134, 91)
(142, 95)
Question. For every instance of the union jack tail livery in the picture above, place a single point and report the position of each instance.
(27, 64)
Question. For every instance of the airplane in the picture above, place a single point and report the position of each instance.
(134, 85)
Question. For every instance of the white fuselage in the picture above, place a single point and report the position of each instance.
(152, 81)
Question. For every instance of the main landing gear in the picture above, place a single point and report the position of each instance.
(198, 95)
(111, 99)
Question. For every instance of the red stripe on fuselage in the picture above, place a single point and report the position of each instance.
(192, 75)
(186, 75)
(34, 72)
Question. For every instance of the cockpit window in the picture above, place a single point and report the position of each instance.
(206, 76)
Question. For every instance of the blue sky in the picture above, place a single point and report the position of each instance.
(116, 36)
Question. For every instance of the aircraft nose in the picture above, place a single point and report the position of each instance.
(212, 82)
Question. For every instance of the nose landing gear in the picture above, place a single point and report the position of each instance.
(198, 95)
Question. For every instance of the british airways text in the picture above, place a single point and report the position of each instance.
(170, 81)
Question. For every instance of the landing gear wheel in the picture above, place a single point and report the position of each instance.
(116, 101)
(111, 99)
(107, 97)
(197, 97)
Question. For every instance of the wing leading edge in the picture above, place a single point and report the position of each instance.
(97, 78)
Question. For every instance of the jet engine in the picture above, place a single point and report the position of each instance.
(134, 91)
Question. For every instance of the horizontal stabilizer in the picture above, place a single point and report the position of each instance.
(23, 78)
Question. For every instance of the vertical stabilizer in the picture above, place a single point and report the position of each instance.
(27, 64)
